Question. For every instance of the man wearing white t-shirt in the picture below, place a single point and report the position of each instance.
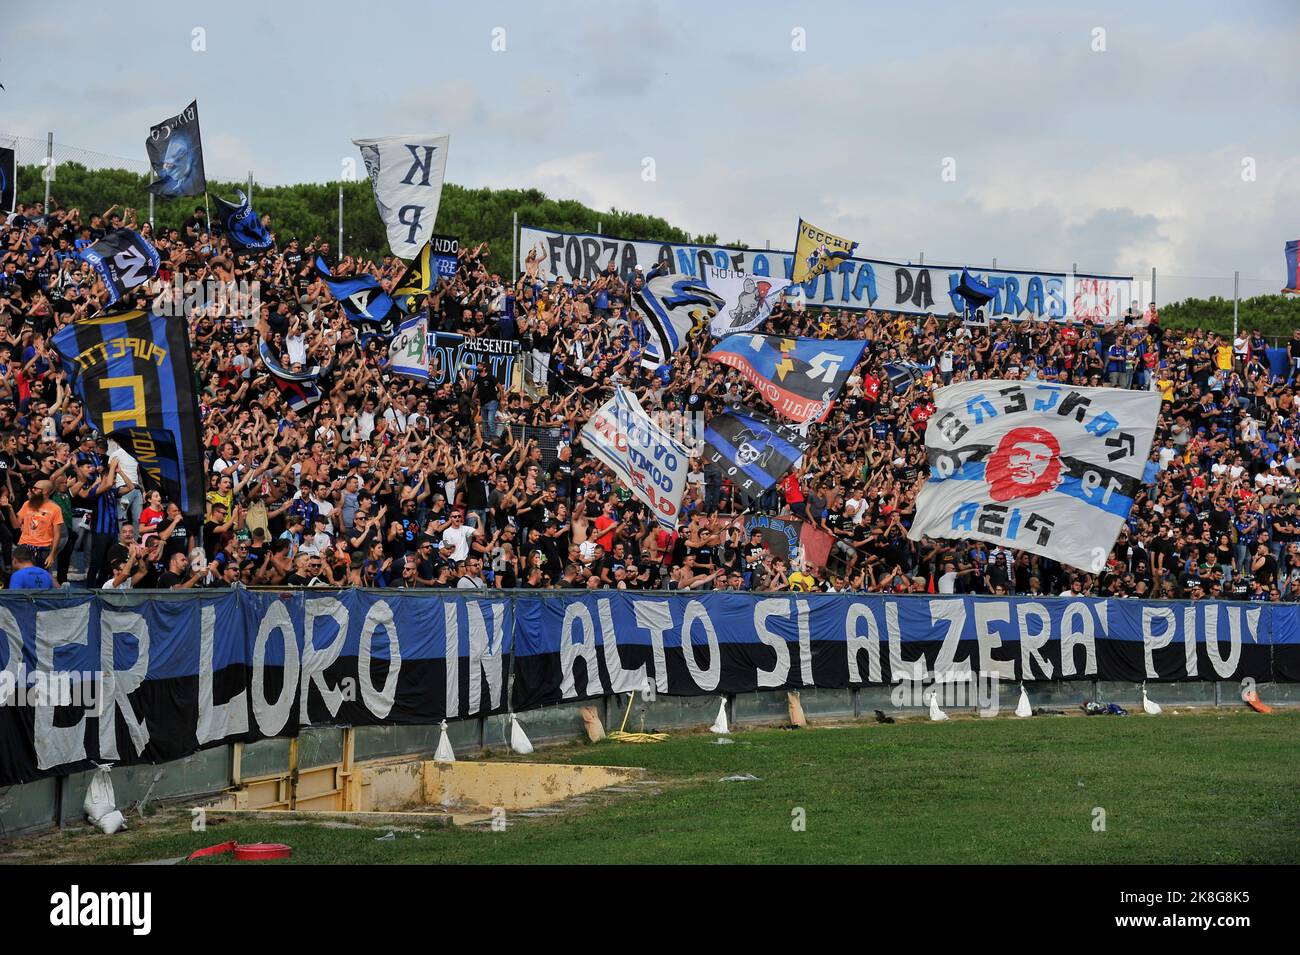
(458, 535)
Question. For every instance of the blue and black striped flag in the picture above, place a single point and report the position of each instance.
(134, 373)
(753, 450)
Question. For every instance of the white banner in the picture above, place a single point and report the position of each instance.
(646, 459)
(748, 299)
(408, 352)
(1046, 468)
(857, 283)
(406, 173)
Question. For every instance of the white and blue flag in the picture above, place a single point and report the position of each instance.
(408, 352)
(1051, 469)
(645, 457)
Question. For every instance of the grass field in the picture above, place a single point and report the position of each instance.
(1214, 787)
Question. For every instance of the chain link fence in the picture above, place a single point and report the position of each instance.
(128, 191)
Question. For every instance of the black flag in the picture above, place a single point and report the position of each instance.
(753, 450)
(123, 259)
(242, 227)
(8, 178)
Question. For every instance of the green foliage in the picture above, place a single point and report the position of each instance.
(1274, 315)
(310, 209)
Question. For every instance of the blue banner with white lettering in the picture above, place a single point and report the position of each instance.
(145, 679)
(681, 645)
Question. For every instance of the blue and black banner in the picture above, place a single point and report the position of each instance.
(363, 300)
(135, 375)
(146, 678)
(753, 449)
(242, 227)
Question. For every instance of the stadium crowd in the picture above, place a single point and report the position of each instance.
(388, 482)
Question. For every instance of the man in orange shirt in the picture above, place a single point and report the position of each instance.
(39, 523)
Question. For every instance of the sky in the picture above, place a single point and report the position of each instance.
(1117, 136)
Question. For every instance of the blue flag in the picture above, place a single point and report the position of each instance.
(242, 227)
(364, 302)
(123, 259)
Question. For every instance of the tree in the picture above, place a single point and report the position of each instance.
(306, 210)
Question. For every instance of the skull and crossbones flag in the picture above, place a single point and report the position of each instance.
(753, 450)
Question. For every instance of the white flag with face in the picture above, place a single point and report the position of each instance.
(1037, 466)
(646, 458)
(406, 173)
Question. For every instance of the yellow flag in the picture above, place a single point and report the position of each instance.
(416, 282)
(817, 251)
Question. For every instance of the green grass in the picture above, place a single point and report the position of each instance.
(1215, 787)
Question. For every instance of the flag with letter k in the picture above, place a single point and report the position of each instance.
(406, 173)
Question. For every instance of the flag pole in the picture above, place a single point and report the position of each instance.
(340, 219)
(49, 164)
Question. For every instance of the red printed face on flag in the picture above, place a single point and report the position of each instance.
(1027, 463)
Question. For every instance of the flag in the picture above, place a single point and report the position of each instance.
(416, 282)
(408, 352)
(649, 462)
(437, 258)
(406, 173)
(298, 395)
(300, 389)
(817, 251)
(753, 449)
(135, 376)
(1046, 468)
(747, 300)
(175, 151)
(799, 376)
(1292, 266)
(903, 374)
(363, 301)
(242, 227)
(672, 306)
(123, 259)
(8, 178)
(976, 293)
